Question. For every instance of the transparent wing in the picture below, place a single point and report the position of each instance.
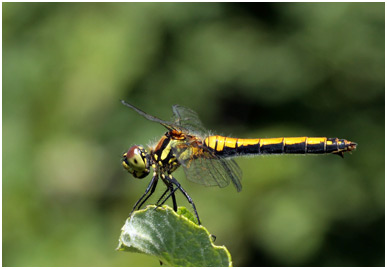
(188, 119)
(212, 172)
(167, 124)
(184, 119)
(206, 168)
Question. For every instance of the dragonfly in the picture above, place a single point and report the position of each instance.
(208, 159)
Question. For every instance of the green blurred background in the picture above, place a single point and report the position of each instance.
(249, 70)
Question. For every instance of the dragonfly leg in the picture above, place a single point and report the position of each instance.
(173, 198)
(149, 195)
(169, 195)
(162, 196)
(152, 183)
(175, 182)
(213, 238)
(172, 193)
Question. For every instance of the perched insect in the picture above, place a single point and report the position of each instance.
(206, 159)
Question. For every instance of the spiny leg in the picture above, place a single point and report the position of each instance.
(174, 181)
(162, 196)
(173, 199)
(169, 195)
(149, 195)
(172, 192)
(152, 182)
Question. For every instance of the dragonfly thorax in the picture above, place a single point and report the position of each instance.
(163, 156)
(137, 161)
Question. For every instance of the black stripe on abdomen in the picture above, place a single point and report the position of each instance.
(332, 145)
(276, 148)
(298, 148)
(316, 148)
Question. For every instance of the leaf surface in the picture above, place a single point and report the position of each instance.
(174, 238)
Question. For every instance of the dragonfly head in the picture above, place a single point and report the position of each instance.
(137, 161)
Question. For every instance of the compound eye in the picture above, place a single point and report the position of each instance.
(136, 161)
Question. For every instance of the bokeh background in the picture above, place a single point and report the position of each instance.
(249, 70)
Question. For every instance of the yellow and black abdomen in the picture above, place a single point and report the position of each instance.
(228, 147)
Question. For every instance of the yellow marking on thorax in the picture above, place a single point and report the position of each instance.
(172, 160)
(165, 152)
(294, 140)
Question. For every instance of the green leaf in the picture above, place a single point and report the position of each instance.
(171, 237)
